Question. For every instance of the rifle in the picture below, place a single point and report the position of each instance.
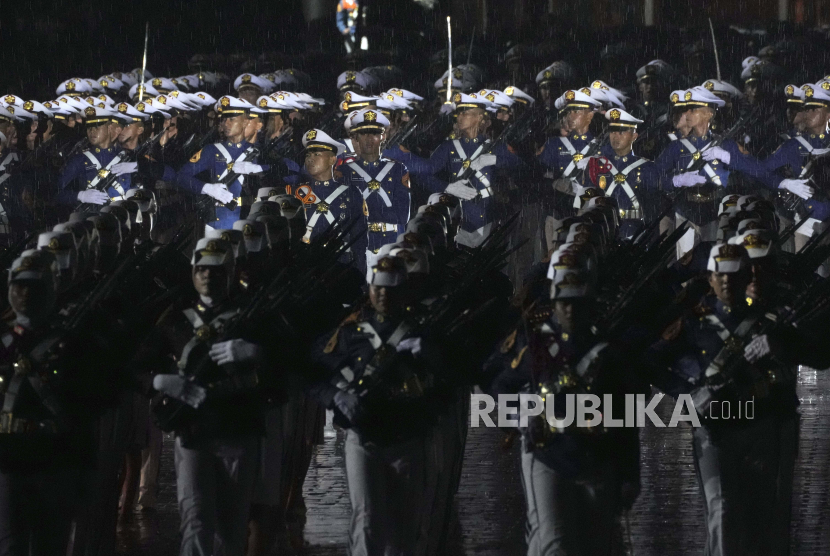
(110, 177)
(403, 133)
(192, 146)
(698, 163)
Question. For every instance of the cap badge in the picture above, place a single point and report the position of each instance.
(789, 90)
(246, 78)
(509, 91)
(491, 97)
(263, 103)
(311, 135)
(54, 244)
(675, 97)
(808, 92)
(225, 101)
(348, 97)
(70, 86)
(28, 105)
(122, 107)
(687, 96)
(615, 114)
(570, 95)
(709, 86)
(90, 111)
(457, 97)
(370, 116)
(156, 82)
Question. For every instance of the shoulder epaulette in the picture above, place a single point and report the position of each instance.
(332, 343)
(509, 342)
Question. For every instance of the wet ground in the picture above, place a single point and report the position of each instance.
(666, 520)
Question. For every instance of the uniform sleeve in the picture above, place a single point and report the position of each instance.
(438, 161)
(664, 165)
(186, 177)
(750, 166)
(73, 171)
(403, 198)
(506, 158)
(549, 155)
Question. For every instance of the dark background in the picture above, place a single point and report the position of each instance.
(45, 42)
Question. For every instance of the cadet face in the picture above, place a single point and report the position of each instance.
(30, 298)
(234, 127)
(696, 116)
(577, 120)
(130, 132)
(813, 119)
(368, 143)
(319, 162)
(211, 281)
(115, 129)
(730, 287)
(98, 135)
(622, 140)
(750, 90)
(252, 128)
(470, 119)
(570, 313)
(251, 94)
(386, 301)
(763, 278)
(645, 89)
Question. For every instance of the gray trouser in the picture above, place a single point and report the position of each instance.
(746, 476)
(150, 464)
(214, 483)
(390, 496)
(36, 512)
(568, 517)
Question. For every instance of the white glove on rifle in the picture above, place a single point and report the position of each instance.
(244, 167)
(716, 153)
(348, 404)
(582, 163)
(483, 161)
(218, 191)
(688, 179)
(797, 187)
(234, 351)
(93, 196)
(462, 190)
(124, 168)
(412, 345)
(177, 386)
(757, 348)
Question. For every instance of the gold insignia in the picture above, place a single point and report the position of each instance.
(344, 106)
(578, 157)
(263, 103)
(162, 99)
(789, 90)
(174, 94)
(602, 182)
(619, 178)
(90, 111)
(225, 101)
(373, 185)
(103, 173)
(457, 97)
(548, 74)
(230, 166)
(104, 82)
(615, 114)
(473, 95)
(465, 164)
(10, 109)
(675, 97)
(351, 76)
(212, 247)
(9, 99)
(348, 97)
(457, 73)
(323, 207)
(70, 86)
(54, 244)
(397, 92)
(825, 85)
(755, 241)
(140, 107)
(570, 95)
(709, 86)
(204, 332)
(808, 92)
(156, 82)
(365, 208)
(509, 91)
(585, 90)
(311, 135)
(122, 107)
(696, 156)
(196, 157)
(201, 96)
(515, 363)
(225, 235)
(47, 104)
(28, 105)
(687, 96)
(728, 252)
(246, 78)
(247, 230)
(491, 97)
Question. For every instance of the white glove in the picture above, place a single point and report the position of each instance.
(178, 387)
(124, 168)
(716, 153)
(483, 161)
(234, 351)
(797, 187)
(93, 196)
(244, 167)
(688, 179)
(409, 344)
(447, 108)
(218, 191)
(582, 163)
(348, 404)
(462, 190)
(757, 348)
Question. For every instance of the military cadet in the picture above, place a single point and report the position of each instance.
(577, 480)
(85, 171)
(789, 168)
(217, 446)
(46, 425)
(326, 199)
(730, 354)
(383, 183)
(633, 182)
(389, 427)
(233, 155)
(470, 160)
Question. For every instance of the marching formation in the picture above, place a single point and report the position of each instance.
(227, 267)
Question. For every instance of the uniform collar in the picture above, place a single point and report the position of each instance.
(367, 164)
(98, 150)
(609, 153)
(324, 183)
(239, 145)
(576, 137)
(475, 140)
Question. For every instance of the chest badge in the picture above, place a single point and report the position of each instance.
(374, 185)
(103, 173)
(578, 157)
(465, 164)
(322, 207)
(619, 178)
